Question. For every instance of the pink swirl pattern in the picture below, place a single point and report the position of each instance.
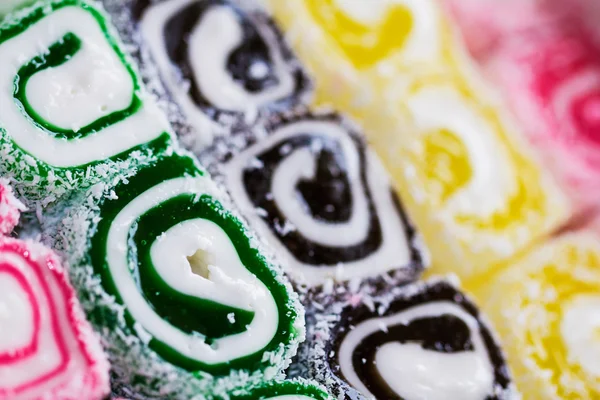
(47, 348)
(546, 61)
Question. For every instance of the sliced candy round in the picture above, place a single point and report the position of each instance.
(10, 208)
(47, 348)
(426, 340)
(69, 97)
(322, 199)
(221, 59)
(194, 285)
(546, 307)
(470, 178)
(298, 389)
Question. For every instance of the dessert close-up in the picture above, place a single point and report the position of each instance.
(299, 200)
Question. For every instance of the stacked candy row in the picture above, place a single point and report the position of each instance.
(475, 187)
(305, 181)
(185, 299)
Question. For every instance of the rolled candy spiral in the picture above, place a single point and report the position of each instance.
(72, 107)
(221, 59)
(193, 283)
(371, 350)
(549, 71)
(546, 308)
(309, 185)
(466, 161)
(297, 389)
(473, 186)
(47, 348)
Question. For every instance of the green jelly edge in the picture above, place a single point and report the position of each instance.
(294, 387)
(178, 166)
(11, 27)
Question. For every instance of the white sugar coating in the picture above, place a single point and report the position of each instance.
(294, 382)
(87, 378)
(25, 178)
(192, 137)
(40, 185)
(7, 6)
(313, 355)
(223, 148)
(10, 208)
(67, 216)
(68, 229)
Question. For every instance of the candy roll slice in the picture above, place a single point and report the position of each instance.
(196, 289)
(297, 389)
(372, 350)
(468, 177)
(549, 70)
(310, 186)
(72, 107)
(545, 306)
(47, 350)
(221, 60)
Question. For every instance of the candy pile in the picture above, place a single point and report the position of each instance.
(202, 169)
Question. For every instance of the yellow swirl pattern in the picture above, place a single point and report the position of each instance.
(529, 303)
(443, 169)
(372, 75)
(526, 195)
(364, 45)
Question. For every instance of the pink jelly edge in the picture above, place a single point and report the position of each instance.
(96, 379)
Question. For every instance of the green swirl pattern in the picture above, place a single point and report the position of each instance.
(69, 46)
(160, 198)
(59, 53)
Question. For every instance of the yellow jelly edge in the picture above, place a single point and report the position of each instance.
(526, 303)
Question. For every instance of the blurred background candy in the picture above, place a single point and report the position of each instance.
(546, 62)
(475, 189)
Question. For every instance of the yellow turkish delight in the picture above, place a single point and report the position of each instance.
(546, 308)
